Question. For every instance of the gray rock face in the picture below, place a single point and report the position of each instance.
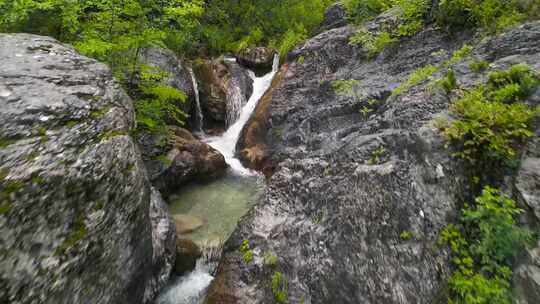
(163, 243)
(357, 197)
(74, 196)
(178, 74)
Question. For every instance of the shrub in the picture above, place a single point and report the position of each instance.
(362, 10)
(484, 244)
(492, 121)
(479, 66)
(489, 130)
(491, 15)
(247, 252)
(280, 286)
(449, 83)
(513, 85)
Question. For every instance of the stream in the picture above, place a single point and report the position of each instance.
(219, 204)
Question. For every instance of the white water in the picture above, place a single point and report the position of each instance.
(190, 289)
(198, 109)
(226, 143)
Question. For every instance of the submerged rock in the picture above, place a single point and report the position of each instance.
(351, 174)
(187, 223)
(224, 88)
(259, 59)
(75, 217)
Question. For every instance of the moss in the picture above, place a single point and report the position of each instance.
(164, 160)
(72, 123)
(301, 59)
(99, 113)
(43, 135)
(448, 83)
(38, 180)
(110, 134)
(458, 55)
(406, 235)
(5, 207)
(416, 77)
(270, 259)
(4, 142)
(78, 232)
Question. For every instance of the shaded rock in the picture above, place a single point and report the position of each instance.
(187, 253)
(177, 70)
(163, 242)
(187, 223)
(334, 17)
(75, 216)
(335, 205)
(259, 59)
(225, 88)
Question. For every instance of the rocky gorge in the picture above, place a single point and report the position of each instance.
(357, 177)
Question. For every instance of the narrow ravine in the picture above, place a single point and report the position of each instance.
(218, 204)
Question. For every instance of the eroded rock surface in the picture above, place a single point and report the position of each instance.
(74, 198)
(361, 182)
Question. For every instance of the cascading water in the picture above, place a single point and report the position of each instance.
(226, 143)
(198, 110)
(220, 204)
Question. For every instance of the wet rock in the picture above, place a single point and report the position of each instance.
(259, 59)
(343, 186)
(75, 219)
(224, 88)
(187, 254)
(187, 223)
(176, 158)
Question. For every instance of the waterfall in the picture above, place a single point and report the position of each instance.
(190, 288)
(235, 101)
(198, 110)
(226, 143)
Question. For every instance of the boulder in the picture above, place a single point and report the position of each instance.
(177, 157)
(259, 59)
(187, 254)
(344, 186)
(76, 223)
(334, 17)
(178, 75)
(225, 88)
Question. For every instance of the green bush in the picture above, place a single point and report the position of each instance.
(478, 66)
(484, 245)
(449, 83)
(492, 121)
(491, 15)
(360, 11)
